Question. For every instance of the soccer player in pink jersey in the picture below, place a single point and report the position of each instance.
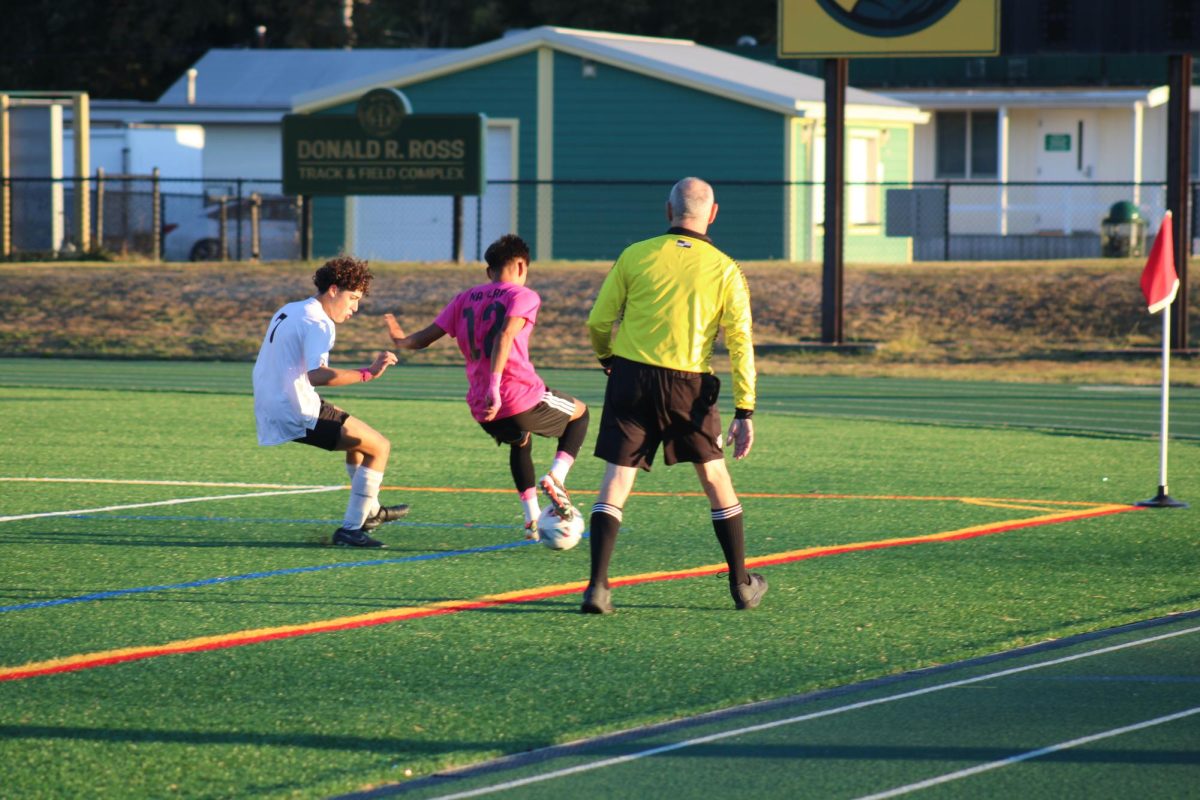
(492, 323)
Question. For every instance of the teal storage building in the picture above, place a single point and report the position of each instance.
(587, 131)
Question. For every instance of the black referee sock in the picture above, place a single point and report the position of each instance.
(605, 523)
(727, 522)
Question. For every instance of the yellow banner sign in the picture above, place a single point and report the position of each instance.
(865, 28)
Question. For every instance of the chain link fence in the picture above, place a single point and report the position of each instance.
(239, 219)
(147, 216)
(1023, 221)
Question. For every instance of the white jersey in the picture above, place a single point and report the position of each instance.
(297, 340)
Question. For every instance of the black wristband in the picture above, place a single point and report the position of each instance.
(606, 362)
(743, 413)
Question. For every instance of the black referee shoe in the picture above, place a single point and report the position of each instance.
(597, 600)
(354, 537)
(749, 595)
(385, 514)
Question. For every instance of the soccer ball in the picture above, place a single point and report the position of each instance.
(557, 533)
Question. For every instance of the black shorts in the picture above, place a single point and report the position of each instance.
(328, 431)
(646, 405)
(548, 418)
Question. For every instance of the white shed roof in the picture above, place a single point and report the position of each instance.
(1094, 97)
(677, 61)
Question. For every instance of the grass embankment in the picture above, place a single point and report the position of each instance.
(1028, 321)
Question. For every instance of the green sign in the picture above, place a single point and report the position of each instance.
(382, 149)
(1058, 142)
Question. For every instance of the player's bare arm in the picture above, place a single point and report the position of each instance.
(499, 357)
(330, 376)
(417, 341)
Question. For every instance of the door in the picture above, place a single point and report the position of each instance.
(1067, 150)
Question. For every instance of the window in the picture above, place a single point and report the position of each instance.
(966, 144)
(1194, 144)
(985, 133)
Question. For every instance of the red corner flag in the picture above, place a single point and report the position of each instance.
(1159, 281)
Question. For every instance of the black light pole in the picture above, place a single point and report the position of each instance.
(1179, 187)
(836, 70)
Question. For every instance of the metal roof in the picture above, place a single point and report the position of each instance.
(271, 78)
(125, 112)
(1092, 97)
(679, 61)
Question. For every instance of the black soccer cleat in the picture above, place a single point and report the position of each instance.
(385, 514)
(354, 537)
(749, 595)
(597, 600)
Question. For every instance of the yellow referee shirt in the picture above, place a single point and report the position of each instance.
(670, 295)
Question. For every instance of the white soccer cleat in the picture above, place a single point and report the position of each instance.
(556, 494)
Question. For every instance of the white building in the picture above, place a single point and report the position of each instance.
(994, 145)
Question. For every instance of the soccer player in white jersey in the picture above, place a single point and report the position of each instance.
(292, 361)
(492, 323)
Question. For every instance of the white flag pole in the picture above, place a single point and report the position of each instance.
(1163, 499)
(1166, 401)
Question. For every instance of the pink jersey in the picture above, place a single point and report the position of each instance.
(474, 318)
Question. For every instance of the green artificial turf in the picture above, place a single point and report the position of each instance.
(334, 712)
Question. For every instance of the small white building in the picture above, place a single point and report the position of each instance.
(1043, 162)
(216, 132)
(229, 106)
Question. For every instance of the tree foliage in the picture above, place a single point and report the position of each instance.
(134, 49)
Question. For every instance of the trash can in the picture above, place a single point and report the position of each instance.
(1123, 232)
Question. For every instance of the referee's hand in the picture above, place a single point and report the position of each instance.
(741, 433)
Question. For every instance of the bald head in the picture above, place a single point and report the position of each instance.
(692, 205)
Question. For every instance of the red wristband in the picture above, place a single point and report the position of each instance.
(365, 374)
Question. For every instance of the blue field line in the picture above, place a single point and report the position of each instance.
(86, 598)
(331, 522)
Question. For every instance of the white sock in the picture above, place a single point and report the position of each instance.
(352, 470)
(561, 466)
(364, 495)
(529, 502)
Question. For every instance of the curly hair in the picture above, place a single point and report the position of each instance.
(346, 272)
(505, 249)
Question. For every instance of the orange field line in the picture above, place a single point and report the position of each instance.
(780, 496)
(106, 658)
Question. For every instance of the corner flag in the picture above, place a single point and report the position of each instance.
(1159, 280)
(1159, 285)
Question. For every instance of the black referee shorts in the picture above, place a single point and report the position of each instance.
(645, 406)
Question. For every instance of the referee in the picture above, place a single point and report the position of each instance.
(671, 294)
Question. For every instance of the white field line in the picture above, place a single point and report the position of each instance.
(131, 482)
(714, 737)
(981, 410)
(173, 502)
(1041, 751)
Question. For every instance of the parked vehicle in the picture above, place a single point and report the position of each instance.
(194, 234)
